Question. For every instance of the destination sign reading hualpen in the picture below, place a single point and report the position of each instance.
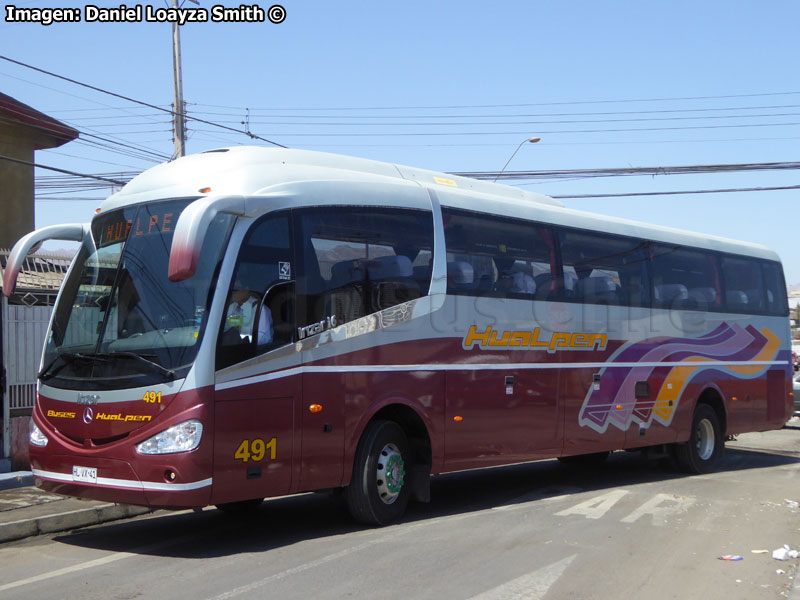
(145, 13)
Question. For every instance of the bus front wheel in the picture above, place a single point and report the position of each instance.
(706, 444)
(379, 491)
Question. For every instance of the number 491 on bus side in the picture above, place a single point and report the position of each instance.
(256, 450)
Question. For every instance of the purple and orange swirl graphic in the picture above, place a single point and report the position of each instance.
(668, 364)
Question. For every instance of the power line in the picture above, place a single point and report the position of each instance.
(126, 109)
(628, 171)
(561, 197)
(55, 184)
(48, 125)
(96, 160)
(173, 113)
(768, 94)
(538, 132)
(161, 157)
(547, 143)
(717, 191)
(560, 122)
(62, 200)
(40, 166)
(254, 113)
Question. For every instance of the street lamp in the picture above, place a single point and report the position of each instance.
(531, 140)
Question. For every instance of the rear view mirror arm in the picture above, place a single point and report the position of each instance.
(75, 232)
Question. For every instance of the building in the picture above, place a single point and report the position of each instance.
(23, 130)
(24, 316)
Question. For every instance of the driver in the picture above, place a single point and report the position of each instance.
(241, 314)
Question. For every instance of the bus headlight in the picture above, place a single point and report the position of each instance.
(178, 438)
(36, 437)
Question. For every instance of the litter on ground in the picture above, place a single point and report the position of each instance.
(784, 553)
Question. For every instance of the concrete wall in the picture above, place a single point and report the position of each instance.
(16, 184)
(20, 457)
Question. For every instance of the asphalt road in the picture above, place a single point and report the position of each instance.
(629, 529)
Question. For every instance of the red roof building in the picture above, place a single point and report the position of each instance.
(23, 130)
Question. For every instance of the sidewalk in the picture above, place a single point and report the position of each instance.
(26, 510)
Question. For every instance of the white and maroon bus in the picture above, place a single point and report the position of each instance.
(253, 322)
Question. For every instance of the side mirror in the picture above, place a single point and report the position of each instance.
(190, 232)
(76, 232)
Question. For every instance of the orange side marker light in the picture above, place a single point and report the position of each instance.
(315, 408)
(458, 419)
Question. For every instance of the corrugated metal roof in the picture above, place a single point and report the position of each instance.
(41, 272)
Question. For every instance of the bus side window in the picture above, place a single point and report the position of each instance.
(685, 279)
(498, 256)
(360, 260)
(256, 321)
(775, 289)
(607, 269)
(744, 288)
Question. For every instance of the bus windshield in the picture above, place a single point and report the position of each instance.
(120, 322)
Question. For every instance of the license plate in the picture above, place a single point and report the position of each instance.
(84, 474)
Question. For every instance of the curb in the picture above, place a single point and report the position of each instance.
(17, 530)
(17, 479)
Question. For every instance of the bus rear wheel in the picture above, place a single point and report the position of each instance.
(379, 491)
(706, 444)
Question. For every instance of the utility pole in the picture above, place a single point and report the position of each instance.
(179, 129)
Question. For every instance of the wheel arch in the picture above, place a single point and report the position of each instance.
(713, 397)
(419, 438)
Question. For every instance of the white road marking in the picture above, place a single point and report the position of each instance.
(98, 562)
(539, 497)
(251, 587)
(532, 586)
(596, 507)
(660, 507)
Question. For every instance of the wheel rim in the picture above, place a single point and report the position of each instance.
(705, 439)
(390, 473)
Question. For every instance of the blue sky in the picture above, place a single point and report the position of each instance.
(463, 82)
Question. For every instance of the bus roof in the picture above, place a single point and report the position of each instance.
(251, 171)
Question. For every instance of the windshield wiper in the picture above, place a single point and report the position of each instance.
(71, 357)
(68, 358)
(168, 373)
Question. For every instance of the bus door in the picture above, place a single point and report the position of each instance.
(254, 439)
(257, 391)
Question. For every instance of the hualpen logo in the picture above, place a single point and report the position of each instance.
(492, 339)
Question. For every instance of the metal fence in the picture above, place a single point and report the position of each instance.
(23, 323)
(24, 328)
